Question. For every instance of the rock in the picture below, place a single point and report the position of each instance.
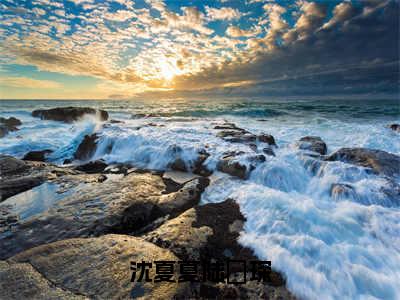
(67, 161)
(312, 143)
(18, 185)
(11, 166)
(96, 208)
(68, 114)
(269, 151)
(37, 155)
(395, 127)
(87, 147)
(379, 161)
(342, 191)
(267, 138)
(231, 133)
(18, 176)
(204, 232)
(113, 121)
(199, 167)
(229, 165)
(86, 269)
(178, 165)
(3, 131)
(7, 125)
(210, 232)
(10, 122)
(92, 167)
(22, 281)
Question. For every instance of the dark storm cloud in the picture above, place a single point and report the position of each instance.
(358, 52)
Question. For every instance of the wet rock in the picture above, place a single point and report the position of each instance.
(395, 127)
(67, 161)
(18, 185)
(229, 165)
(379, 161)
(87, 147)
(94, 209)
(120, 168)
(92, 167)
(11, 166)
(113, 121)
(179, 165)
(3, 131)
(7, 125)
(10, 122)
(231, 133)
(68, 114)
(342, 191)
(312, 143)
(210, 232)
(267, 138)
(86, 268)
(37, 155)
(199, 167)
(18, 176)
(269, 151)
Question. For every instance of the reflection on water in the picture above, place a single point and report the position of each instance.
(34, 201)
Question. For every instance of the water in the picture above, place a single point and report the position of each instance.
(327, 247)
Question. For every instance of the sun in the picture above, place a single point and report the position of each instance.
(168, 70)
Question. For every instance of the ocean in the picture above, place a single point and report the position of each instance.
(327, 247)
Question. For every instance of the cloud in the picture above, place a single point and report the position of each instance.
(24, 82)
(223, 13)
(153, 45)
(235, 31)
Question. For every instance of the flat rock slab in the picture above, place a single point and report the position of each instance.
(18, 176)
(210, 232)
(96, 208)
(379, 161)
(69, 114)
(85, 268)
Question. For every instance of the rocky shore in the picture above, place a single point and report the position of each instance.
(96, 218)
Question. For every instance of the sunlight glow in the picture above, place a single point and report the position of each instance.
(168, 71)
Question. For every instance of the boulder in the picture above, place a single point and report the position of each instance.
(10, 122)
(87, 147)
(3, 131)
(11, 166)
(395, 127)
(312, 143)
(379, 161)
(342, 191)
(86, 268)
(267, 138)
(92, 167)
(269, 151)
(7, 125)
(68, 114)
(199, 167)
(18, 176)
(231, 133)
(230, 165)
(37, 155)
(94, 208)
(210, 232)
(18, 185)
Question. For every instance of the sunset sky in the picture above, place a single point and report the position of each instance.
(118, 49)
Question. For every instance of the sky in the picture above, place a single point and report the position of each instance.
(122, 49)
